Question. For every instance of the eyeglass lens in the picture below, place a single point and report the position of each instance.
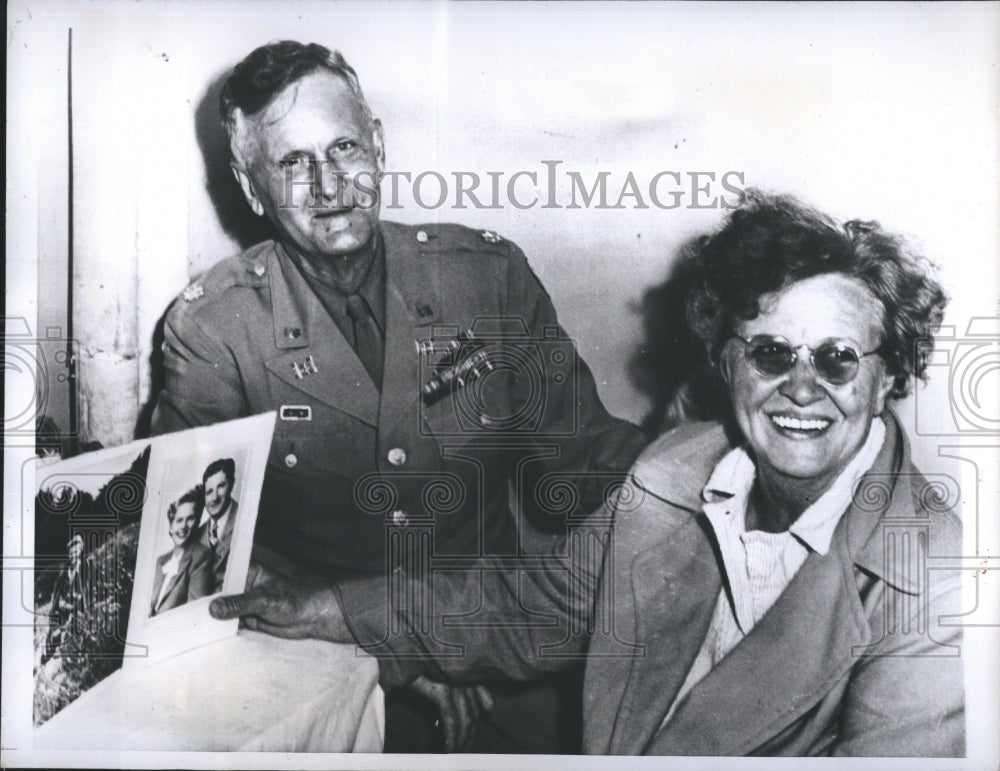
(835, 362)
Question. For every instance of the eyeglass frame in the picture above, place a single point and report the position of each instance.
(812, 355)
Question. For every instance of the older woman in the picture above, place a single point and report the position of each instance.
(767, 591)
(766, 571)
(185, 572)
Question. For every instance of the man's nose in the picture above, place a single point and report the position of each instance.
(802, 383)
(330, 181)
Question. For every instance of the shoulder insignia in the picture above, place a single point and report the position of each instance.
(491, 237)
(193, 292)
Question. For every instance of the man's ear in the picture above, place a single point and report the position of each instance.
(378, 143)
(243, 179)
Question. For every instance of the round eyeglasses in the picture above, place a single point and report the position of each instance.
(835, 361)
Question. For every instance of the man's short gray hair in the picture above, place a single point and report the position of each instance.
(266, 72)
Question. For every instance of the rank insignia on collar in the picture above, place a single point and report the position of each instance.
(193, 292)
(491, 237)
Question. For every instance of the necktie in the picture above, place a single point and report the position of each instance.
(367, 337)
(214, 537)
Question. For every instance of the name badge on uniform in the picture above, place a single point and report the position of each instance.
(295, 412)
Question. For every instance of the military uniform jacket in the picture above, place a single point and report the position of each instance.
(351, 468)
(860, 655)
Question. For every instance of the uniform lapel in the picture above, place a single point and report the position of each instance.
(303, 329)
(674, 589)
(781, 669)
(412, 304)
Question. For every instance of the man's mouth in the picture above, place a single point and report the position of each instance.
(800, 426)
(333, 211)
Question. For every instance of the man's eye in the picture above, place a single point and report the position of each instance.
(295, 162)
(345, 146)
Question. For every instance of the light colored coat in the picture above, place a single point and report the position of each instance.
(192, 580)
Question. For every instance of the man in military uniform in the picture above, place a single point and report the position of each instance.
(420, 377)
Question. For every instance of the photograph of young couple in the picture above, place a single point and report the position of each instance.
(201, 524)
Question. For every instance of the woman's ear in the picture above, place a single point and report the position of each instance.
(724, 365)
(884, 389)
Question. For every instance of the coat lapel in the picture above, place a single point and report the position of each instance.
(303, 328)
(172, 583)
(674, 588)
(780, 670)
(412, 305)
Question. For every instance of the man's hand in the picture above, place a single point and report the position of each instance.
(460, 708)
(286, 608)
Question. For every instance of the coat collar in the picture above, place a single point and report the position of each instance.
(883, 496)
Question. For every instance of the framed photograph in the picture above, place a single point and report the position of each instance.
(131, 543)
(203, 480)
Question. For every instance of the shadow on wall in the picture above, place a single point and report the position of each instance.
(156, 377)
(670, 365)
(234, 215)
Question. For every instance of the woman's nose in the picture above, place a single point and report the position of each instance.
(802, 384)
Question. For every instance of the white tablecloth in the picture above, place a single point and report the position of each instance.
(251, 692)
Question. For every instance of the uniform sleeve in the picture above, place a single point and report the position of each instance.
(201, 380)
(493, 621)
(592, 449)
(908, 699)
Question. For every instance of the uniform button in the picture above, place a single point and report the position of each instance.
(291, 460)
(422, 236)
(397, 456)
(259, 270)
(399, 517)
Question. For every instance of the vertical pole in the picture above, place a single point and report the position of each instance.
(70, 352)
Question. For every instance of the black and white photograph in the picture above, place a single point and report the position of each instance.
(528, 383)
(86, 526)
(130, 620)
(199, 527)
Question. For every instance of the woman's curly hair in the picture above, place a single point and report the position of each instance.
(772, 241)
